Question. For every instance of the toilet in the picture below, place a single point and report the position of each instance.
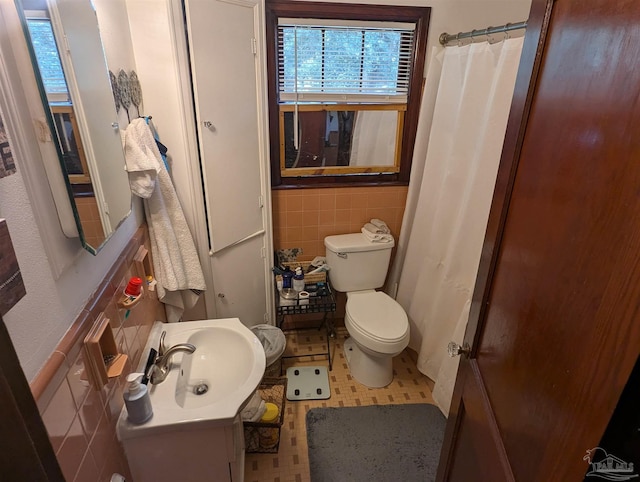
(377, 324)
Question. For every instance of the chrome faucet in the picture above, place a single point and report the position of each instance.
(159, 370)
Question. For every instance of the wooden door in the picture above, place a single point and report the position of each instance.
(555, 324)
(26, 453)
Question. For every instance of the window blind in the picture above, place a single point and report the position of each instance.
(341, 62)
(48, 59)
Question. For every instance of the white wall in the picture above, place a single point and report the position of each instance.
(116, 40)
(453, 16)
(38, 321)
(156, 51)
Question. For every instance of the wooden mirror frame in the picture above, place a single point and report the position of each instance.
(393, 167)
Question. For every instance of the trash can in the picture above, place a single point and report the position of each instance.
(274, 343)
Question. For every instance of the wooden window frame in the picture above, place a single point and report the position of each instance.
(285, 172)
(85, 177)
(297, 9)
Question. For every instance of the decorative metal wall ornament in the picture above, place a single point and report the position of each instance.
(116, 90)
(136, 91)
(125, 91)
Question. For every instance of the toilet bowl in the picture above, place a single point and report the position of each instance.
(377, 324)
(379, 330)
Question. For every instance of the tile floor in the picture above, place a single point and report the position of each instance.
(291, 463)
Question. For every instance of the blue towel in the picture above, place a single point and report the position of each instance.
(161, 147)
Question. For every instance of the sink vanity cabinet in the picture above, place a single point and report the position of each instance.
(192, 454)
(196, 434)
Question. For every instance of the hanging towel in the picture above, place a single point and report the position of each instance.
(381, 225)
(161, 147)
(175, 259)
(377, 238)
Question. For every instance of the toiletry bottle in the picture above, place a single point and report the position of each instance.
(137, 400)
(287, 275)
(298, 280)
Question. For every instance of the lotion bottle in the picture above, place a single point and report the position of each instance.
(298, 280)
(137, 400)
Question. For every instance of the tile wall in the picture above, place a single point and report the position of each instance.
(302, 218)
(90, 219)
(81, 421)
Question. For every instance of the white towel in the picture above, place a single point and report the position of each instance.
(373, 229)
(377, 238)
(255, 408)
(381, 225)
(142, 165)
(175, 259)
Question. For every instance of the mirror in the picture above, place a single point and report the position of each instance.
(340, 139)
(69, 61)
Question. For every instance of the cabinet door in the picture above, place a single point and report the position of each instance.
(228, 77)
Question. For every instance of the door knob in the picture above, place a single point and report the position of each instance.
(208, 125)
(221, 295)
(456, 350)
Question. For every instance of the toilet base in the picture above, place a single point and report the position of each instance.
(372, 371)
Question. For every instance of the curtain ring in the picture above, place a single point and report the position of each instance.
(506, 32)
(458, 39)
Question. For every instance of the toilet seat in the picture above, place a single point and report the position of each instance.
(377, 321)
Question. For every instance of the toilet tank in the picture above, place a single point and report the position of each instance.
(356, 263)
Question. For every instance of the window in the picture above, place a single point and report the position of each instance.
(44, 45)
(344, 91)
(340, 62)
(51, 72)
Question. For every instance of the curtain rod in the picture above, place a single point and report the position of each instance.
(445, 38)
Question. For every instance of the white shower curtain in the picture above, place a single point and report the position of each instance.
(374, 138)
(449, 198)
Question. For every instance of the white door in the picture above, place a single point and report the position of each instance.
(224, 40)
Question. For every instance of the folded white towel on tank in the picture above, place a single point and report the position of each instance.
(373, 229)
(380, 224)
(377, 238)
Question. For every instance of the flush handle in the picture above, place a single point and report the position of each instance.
(342, 255)
(456, 350)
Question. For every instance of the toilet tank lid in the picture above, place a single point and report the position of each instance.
(351, 243)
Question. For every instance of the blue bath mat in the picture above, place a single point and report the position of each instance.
(308, 383)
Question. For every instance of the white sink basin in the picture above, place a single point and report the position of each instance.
(225, 370)
(218, 366)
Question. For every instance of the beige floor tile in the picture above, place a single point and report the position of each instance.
(291, 463)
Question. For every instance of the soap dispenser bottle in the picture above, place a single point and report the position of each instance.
(137, 400)
(298, 280)
(287, 276)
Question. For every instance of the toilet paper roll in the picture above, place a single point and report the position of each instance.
(303, 296)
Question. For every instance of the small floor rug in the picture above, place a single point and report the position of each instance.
(308, 383)
(377, 443)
